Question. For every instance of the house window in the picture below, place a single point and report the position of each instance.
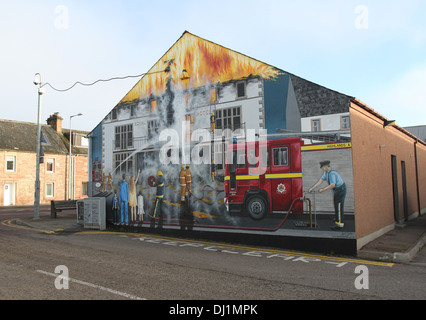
(345, 122)
(316, 125)
(123, 137)
(10, 163)
(50, 165)
(123, 163)
(241, 89)
(228, 118)
(280, 156)
(114, 115)
(50, 189)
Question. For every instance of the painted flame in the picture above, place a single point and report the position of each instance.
(197, 62)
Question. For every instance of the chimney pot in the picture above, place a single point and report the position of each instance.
(55, 121)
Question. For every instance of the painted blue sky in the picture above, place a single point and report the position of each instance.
(374, 50)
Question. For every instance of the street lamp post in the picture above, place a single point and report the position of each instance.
(37, 81)
(70, 182)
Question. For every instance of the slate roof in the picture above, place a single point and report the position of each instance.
(418, 131)
(22, 136)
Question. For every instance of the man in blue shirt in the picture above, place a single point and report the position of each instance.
(124, 199)
(336, 183)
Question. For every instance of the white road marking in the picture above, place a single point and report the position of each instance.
(123, 294)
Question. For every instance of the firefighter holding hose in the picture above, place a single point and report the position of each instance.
(158, 214)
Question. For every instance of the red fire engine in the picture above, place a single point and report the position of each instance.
(264, 177)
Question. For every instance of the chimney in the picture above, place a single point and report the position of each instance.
(55, 121)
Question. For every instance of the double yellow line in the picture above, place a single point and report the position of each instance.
(13, 224)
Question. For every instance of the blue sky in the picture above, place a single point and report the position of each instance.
(374, 50)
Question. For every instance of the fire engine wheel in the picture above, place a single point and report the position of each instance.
(256, 207)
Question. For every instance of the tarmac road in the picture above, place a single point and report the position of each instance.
(111, 266)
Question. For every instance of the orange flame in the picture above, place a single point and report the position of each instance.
(197, 62)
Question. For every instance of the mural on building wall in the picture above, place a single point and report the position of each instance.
(193, 62)
(195, 162)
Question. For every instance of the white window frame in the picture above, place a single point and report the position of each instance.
(52, 161)
(52, 194)
(13, 160)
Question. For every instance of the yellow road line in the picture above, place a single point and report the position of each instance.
(224, 245)
(10, 223)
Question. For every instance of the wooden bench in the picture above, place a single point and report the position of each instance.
(58, 206)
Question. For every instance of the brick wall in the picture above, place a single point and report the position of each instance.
(372, 147)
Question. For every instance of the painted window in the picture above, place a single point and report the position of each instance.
(10, 163)
(212, 95)
(241, 89)
(123, 163)
(152, 128)
(316, 125)
(123, 137)
(228, 118)
(345, 122)
(280, 156)
(133, 111)
(153, 105)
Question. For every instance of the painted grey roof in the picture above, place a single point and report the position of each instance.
(315, 100)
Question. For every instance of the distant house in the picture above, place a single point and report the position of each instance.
(418, 131)
(18, 161)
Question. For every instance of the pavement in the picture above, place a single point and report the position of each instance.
(399, 245)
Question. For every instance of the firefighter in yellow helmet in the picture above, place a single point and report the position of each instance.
(186, 217)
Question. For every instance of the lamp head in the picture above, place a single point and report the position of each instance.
(37, 79)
